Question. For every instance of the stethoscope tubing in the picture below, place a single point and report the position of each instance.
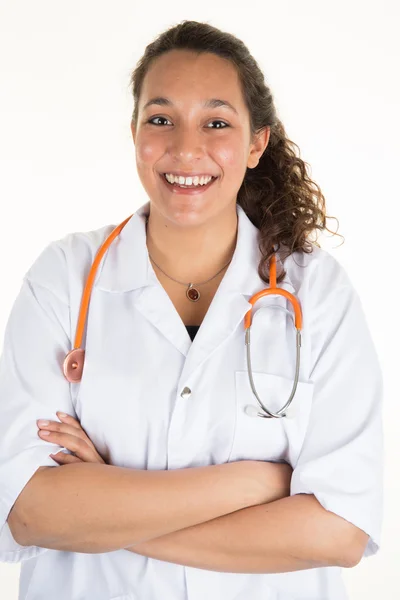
(74, 360)
(273, 290)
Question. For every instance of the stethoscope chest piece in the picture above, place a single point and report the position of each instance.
(73, 365)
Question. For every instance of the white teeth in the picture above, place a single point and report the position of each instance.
(202, 180)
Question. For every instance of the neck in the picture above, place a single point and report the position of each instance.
(192, 254)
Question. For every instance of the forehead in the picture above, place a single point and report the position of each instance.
(188, 77)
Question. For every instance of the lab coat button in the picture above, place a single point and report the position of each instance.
(186, 392)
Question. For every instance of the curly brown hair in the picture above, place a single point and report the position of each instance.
(277, 195)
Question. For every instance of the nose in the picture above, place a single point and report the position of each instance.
(186, 145)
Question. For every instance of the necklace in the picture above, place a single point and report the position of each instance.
(192, 293)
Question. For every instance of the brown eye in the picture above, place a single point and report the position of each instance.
(218, 121)
(154, 118)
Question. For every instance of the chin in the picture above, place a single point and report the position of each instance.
(183, 212)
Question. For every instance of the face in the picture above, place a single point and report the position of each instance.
(183, 136)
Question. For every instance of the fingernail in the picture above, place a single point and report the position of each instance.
(60, 414)
(43, 423)
(45, 433)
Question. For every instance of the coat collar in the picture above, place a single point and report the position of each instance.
(126, 265)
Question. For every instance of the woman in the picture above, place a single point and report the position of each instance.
(166, 478)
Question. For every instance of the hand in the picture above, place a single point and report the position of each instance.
(70, 435)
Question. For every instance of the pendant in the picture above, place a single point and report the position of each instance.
(192, 293)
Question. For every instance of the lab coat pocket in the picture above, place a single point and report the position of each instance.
(257, 438)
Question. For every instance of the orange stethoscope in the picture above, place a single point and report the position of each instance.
(74, 360)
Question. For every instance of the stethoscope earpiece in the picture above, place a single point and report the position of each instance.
(251, 410)
(291, 413)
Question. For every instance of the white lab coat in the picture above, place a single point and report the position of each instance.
(139, 359)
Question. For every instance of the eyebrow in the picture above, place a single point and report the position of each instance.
(210, 103)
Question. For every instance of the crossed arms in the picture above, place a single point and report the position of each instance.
(211, 517)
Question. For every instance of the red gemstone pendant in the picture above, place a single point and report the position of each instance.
(192, 293)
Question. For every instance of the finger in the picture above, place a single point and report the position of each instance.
(75, 444)
(55, 426)
(72, 422)
(65, 459)
(72, 443)
(72, 437)
(69, 420)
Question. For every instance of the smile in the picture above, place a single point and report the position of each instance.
(176, 188)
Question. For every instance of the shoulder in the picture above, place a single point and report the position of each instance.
(65, 263)
(327, 296)
(316, 272)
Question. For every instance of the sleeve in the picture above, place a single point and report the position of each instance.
(32, 386)
(341, 461)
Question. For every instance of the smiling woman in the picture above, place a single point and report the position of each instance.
(173, 488)
(201, 138)
(215, 117)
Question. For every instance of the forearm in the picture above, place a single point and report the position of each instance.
(91, 508)
(290, 534)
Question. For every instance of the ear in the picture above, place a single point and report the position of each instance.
(258, 146)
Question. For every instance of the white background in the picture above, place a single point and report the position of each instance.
(67, 158)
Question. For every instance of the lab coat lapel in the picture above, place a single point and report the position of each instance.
(126, 268)
(157, 307)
